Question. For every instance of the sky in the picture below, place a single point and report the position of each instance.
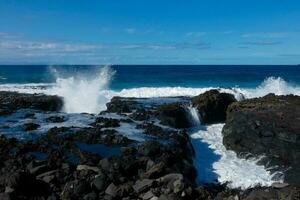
(150, 32)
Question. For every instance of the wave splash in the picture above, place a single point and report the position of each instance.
(82, 92)
(274, 85)
(90, 92)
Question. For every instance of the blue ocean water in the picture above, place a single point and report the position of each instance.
(89, 88)
(160, 76)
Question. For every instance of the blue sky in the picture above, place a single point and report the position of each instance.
(150, 32)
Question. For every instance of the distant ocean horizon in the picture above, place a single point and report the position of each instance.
(87, 88)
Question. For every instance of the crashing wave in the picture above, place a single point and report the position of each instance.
(274, 85)
(90, 93)
(83, 93)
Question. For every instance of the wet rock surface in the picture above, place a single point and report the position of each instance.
(30, 126)
(267, 126)
(12, 101)
(98, 162)
(212, 106)
(174, 115)
(102, 162)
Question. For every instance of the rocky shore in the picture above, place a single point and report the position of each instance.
(140, 148)
(269, 127)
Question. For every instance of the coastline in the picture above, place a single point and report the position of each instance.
(138, 148)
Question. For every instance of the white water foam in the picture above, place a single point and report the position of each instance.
(29, 88)
(150, 92)
(195, 118)
(237, 172)
(90, 94)
(83, 94)
(274, 85)
(10, 125)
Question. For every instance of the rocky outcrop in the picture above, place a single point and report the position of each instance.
(11, 101)
(267, 126)
(174, 115)
(102, 162)
(29, 126)
(212, 106)
(120, 105)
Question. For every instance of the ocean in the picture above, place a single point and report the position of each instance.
(89, 88)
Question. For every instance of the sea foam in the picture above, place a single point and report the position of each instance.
(90, 93)
(215, 163)
(224, 165)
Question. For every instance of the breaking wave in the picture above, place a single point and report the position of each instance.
(274, 85)
(90, 93)
(83, 93)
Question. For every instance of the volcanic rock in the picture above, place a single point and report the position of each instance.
(267, 126)
(174, 115)
(29, 126)
(11, 101)
(212, 106)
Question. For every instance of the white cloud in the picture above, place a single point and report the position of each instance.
(46, 46)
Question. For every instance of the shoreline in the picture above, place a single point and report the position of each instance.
(137, 148)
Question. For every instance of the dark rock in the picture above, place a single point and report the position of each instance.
(150, 148)
(262, 194)
(100, 182)
(49, 176)
(151, 129)
(140, 115)
(37, 168)
(5, 196)
(88, 158)
(267, 126)
(29, 115)
(174, 115)
(212, 106)
(148, 196)
(142, 185)
(128, 150)
(30, 127)
(53, 197)
(90, 196)
(120, 105)
(82, 187)
(13, 101)
(76, 189)
(87, 168)
(155, 171)
(174, 182)
(56, 119)
(112, 190)
(107, 122)
(26, 184)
